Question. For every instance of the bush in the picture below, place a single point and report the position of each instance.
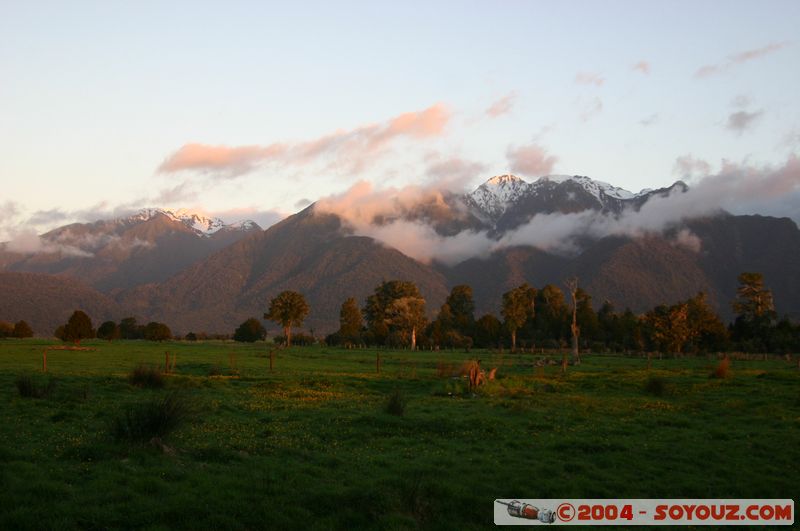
(396, 405)
(156, 418)
(250, 331)
(146, 376)
(29, 388)
(656, 386)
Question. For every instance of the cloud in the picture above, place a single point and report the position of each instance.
(594, 107)
(741, 121)
(643, 67)
(454, 172)
(737, 188)
(649, 120)
(350, 151)
(749, 55)
(302, 203)
(502, 106)
(689, 167)
(589, 78)
(738, 58)
(741, 101)
(531, 160)
(26, 241)
(688, 240)
(264, 218)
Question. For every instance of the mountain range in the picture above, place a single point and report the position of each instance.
(199, 274)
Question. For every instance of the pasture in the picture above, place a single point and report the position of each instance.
(312, 445)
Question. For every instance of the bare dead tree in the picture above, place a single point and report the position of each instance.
(572, 286)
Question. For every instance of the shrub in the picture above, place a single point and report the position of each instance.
(656, 386)
(29, 388)
(156, 418)
(146, 376)
(396, 404)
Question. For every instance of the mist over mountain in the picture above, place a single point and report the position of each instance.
(635, 250)
(111, 255)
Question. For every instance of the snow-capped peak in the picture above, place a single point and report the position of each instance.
(495, 195)
(596, 188)
(198, 222)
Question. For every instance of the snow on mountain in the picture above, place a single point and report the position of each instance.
(495, 195)
(199, 223)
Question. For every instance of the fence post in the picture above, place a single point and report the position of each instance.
(378, 362)
(166, 362)
(271, 359)
(44, 360)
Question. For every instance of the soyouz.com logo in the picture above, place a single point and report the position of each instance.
(516, 511)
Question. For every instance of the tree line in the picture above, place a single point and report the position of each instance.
(394, 315)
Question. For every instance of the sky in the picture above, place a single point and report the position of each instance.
(255, 109)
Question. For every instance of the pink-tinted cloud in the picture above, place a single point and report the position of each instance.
(455, 172)
(502, 106)
(643, 67)
(688, 167)
(739, 58)
(749, 55)
(589, 78)
(351, 150)
(232, 161)
(531, 160)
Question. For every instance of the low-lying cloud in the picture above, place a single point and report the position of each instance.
(738, 189)
(352, 151)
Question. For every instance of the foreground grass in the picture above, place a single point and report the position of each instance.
(312, 445)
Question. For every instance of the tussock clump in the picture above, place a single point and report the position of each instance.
(146, 376)
(656, 386)
(723, 370)
(396, 404)
(29, 388)
(156, 418)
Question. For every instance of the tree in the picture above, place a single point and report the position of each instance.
(250, 331)
(78, 327)
(754, 300)
(22, 330)
(706, 330)
(128, 329)
(155, 331)
(462, 309)
(518, 306)
(755, 313)
(572, 286)
(378, 303)
(108, 331)
(552, 316)
(350, 322)
(288, 309)
(487, 331)
(407, 314)
(6, 329)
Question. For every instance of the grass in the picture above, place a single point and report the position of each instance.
(146, 376)
(310, 444)
(29, 387)
(157, 417)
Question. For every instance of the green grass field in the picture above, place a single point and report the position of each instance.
(311, 445)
